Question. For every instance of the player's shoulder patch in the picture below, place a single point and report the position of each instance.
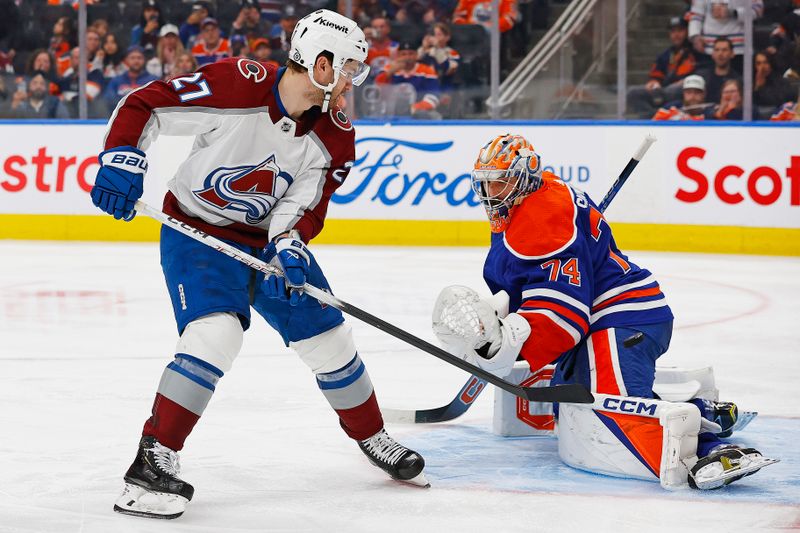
(253, 70)
(545, 223)
(340, 119)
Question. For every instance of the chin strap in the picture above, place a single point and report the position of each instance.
(326, 102)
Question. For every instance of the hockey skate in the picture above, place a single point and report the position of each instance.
(395, 459)
(727, 415)
(726, 464)
(152, 487)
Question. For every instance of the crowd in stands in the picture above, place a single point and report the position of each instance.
(699, 76)
(132, 42)
(425, 55)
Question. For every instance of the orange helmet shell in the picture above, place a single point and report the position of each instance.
(502, 151)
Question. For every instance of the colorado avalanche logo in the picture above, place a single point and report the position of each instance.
(250, 189)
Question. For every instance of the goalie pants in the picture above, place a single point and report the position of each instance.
(202, 281)
(620, 361)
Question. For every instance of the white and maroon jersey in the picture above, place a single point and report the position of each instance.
(253, 172)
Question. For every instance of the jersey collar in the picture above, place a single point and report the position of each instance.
(307, 120)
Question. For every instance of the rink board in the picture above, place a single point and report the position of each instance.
(707, 187)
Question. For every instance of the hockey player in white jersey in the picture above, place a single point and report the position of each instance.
(270, 149)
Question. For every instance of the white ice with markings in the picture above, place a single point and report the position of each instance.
(86, 329)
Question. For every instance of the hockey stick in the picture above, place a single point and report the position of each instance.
(475, 385)
(560, 393)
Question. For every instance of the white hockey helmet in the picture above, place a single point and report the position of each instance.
(326, 31)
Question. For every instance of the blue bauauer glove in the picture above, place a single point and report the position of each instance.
(120, 181)
(294, 258)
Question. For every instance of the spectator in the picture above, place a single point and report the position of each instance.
(112, 57)
(281, 34)
(382, 49)
(239, 46)
(64, 37)
(69, 82)
(135, 77)
(711, 19)
(436, 52)
(6, 84)
(92, 47)
(7, 61)
(730, 105)
(262, 51)
(191, 28)
(693, 104)
(666, 73)
(721, 55)
(100, 27)
(248, 23)
(769, 89)
(35, 102)
(415, 12)
(184, 64)
(169, 47)
(480, 12)
(363, 10)
(271, 10)
(41, 60)
(790, 111)
(145, 34)
(414, 83)
(785, 37)
(210, 47)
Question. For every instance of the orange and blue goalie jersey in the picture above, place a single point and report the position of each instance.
(559, 264)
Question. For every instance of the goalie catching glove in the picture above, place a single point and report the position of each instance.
(480, 331)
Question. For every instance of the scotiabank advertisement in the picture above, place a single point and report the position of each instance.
(704, 175)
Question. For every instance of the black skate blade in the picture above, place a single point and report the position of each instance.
(141, 514)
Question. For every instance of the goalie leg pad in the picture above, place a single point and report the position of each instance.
(677, 384)
(630, 437)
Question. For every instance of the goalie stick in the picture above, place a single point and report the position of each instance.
(475, 385)
(559, 393)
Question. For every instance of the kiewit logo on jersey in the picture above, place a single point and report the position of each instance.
(323, 22)
(253, 189)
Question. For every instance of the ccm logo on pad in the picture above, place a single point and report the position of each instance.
(630, 406)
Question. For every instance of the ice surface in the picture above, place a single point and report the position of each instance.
(86, 329)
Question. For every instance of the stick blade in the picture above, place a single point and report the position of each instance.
(398, 416)
(572, 393)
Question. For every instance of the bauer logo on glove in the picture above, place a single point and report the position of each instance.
(120, 181)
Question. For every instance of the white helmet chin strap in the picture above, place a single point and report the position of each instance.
(327, 88)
